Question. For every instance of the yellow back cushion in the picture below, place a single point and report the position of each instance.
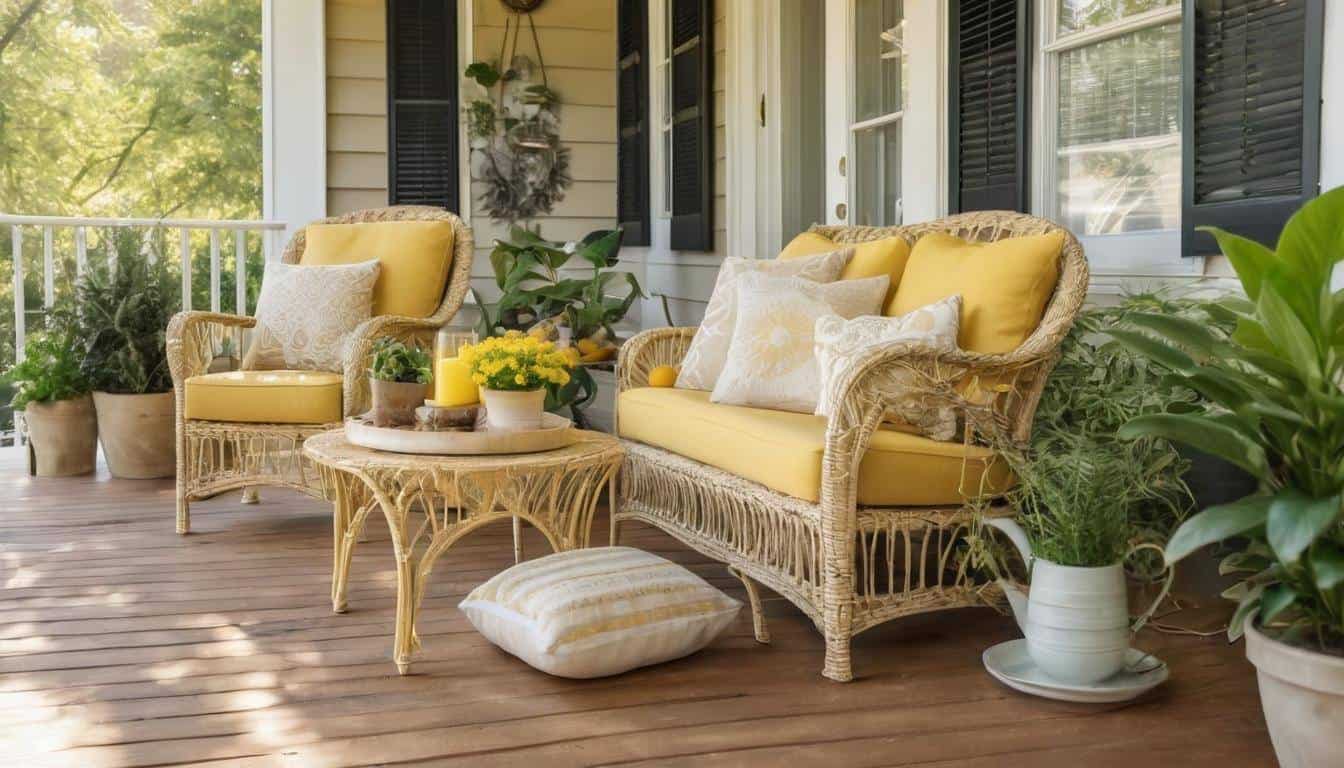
(1004, 285)
(875, 257)
(415, 258)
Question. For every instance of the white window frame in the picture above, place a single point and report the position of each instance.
(660, 108)
(1157, 252)
(878, 122)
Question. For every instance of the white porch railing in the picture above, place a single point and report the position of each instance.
(269, 232)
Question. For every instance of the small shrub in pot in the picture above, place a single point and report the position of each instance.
(399, 377)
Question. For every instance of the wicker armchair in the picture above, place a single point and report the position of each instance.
(851, 567)
(216, 456)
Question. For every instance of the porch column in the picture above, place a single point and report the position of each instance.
(294, 114)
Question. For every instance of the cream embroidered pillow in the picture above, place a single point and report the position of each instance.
(840, 343)
(770, 362)
(597, 612)
(703, 363)
(305, 315)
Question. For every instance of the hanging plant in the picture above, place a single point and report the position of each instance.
(513, 126)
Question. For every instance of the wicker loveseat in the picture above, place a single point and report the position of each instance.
(256, 424)
(846, 564)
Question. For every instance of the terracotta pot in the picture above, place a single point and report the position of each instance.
(513, 410)
(137, 434)
(394, 402)
(1302, 693)
(63, 437)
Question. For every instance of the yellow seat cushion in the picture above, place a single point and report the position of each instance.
(415, 257)
(1004, 285)
(887, 256)
(265, 397)
(783, 450)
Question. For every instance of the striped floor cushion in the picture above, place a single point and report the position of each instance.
(597, 612)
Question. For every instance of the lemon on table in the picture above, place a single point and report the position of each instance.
(663, 376)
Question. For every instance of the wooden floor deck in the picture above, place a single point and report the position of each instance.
(122, 644)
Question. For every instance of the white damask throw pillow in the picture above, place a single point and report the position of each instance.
(703, 363)
(840, 343)
(305, 315)
(770, 361)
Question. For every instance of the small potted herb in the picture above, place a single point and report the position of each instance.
(54, 396)
(399, 377)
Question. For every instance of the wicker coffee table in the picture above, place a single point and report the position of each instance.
(432, 501)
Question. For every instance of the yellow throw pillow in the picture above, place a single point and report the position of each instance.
(1004, 285)
(415, 258)
(887, 256)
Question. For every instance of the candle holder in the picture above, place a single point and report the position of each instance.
(453, 385)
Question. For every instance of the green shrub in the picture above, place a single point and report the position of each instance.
(122, 316)
(50, 370)
(397, 361)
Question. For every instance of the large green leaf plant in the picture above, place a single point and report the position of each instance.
(1278, 413)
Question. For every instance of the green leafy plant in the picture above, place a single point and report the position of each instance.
(50, 371)
(528, 274)
(122, 316)
(1075, 501)
(400, 362)
(1278, 414)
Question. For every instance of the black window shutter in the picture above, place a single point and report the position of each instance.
(632, 116)
(1251, 116)
(422, 161)
(989, 43)
(692, 126)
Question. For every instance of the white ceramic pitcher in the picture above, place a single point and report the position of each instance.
(1076, 620)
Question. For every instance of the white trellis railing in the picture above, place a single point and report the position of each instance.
(46, 226)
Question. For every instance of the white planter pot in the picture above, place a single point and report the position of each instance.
(509, 410)
(137, 434)
(1077, 623)
(1302, 693)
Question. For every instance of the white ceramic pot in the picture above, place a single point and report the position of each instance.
(1302, 693)
(513, 410)
(1076, 619)
(137, 434)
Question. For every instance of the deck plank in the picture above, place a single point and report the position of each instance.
(122, 644)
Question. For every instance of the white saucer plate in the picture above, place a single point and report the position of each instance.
(1011, 665)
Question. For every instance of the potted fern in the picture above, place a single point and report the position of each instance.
(399, 376)
(122, 317)
(1278, 390)
(53, 394)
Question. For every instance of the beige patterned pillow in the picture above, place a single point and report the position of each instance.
(305, 315)
(704, 360)
(770, 362)
(840, 343)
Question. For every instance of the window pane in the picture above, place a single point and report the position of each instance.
(1078, 15)
(1118, 153)
(877, 176)
(878, 49)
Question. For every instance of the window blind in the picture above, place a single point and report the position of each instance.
(632, 115)
(422, 152)
(692, 126)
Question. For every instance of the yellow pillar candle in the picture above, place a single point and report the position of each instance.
(453, 385)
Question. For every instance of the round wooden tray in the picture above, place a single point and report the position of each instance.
(556, 432)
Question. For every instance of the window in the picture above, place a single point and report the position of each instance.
(1109, 147)
(875, 129)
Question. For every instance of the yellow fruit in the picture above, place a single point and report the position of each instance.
(587, 347)
(663, 376)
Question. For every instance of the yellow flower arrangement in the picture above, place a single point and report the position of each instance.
(517, 362)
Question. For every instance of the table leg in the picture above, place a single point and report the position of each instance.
(407, 605)
(349, 511)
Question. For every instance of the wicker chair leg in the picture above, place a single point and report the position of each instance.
(838, 635)
(250, 496)
(754, 599)
(183, 509)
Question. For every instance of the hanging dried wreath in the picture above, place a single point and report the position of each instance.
(514, 132)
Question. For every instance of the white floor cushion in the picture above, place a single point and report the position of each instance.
(597, 612)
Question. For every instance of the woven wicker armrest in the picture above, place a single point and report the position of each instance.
(191, 341)
(647, 350)
(418, 330)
